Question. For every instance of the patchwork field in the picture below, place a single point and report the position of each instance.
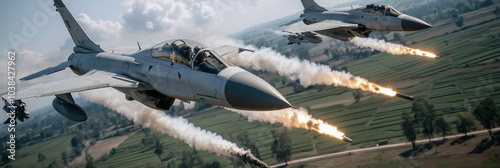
(468, 71)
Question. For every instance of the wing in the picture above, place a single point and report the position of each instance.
(228, 50)
(321, 26)
(89, 81)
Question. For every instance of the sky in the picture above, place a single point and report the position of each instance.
(36, 32)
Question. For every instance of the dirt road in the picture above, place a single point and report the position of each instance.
(377, 148)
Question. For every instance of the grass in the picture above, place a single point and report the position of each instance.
(374, 118)
(444, 155)
(52, 149)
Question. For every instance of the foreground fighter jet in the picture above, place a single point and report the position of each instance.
(173, 69)
(345, 24)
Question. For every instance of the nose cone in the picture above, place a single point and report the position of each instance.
(246, 91)
(410, 23)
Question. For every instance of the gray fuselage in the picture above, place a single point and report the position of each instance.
(232, 87)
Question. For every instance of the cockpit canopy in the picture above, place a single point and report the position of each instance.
(190, 53)
(380, 9)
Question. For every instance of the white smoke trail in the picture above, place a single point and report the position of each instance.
(189, 106)
(391, 48)
(308, 73)
(298, 118)
(177, 127)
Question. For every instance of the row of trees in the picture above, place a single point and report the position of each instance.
(425, 118)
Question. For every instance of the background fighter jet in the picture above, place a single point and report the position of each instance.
(345, 24)
(173, 69)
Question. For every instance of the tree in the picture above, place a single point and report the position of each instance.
(487, 114)
(159, 147)
(357, 94)
(424, 115)
(486, 3)
(215, 164)
(90, 161)
(244, 140)
(408, 127)
(398, 38)
(442, 127)
(497, 11)
(460, 22)
(464, 124)
(64, 158)
(282, 147)
(428, 126)
(326, 52)
(344, 69)
(421, 109)
(41, 158)
(112, 152)
(190, 158)
(53, 164)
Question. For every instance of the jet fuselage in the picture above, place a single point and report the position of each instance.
(232, 87)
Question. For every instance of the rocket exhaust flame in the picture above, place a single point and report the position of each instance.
(308, 73)
(391, 48)
(298, 118)
(177, 127)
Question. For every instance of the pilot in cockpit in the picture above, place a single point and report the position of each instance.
(186, 52)
(208, 63)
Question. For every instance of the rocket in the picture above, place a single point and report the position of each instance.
(407, 97)
(347, 139)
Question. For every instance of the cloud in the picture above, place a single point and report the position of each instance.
(179, 17)
(100, 29)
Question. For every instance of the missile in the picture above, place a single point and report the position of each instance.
(347, 139)
(407, 97)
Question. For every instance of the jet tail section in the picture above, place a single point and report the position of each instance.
(77, 33)
(312, 6)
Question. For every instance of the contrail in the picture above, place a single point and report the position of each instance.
(298, 118)
(308, 73)
(391, 48)
(177, 127)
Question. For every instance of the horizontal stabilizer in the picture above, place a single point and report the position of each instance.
(228, 50)
(292, 22)
(48, 71)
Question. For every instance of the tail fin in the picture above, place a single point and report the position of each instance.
(79, 36)
(312, 6)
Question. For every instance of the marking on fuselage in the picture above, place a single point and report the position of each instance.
(179, 75)
(67, 23)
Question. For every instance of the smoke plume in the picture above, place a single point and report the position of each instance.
(298, 118)
(391, 48)
(177, 127)
(308, 73)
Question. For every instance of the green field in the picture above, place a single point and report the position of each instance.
(52, 149)
(467, 72)
(374, 118)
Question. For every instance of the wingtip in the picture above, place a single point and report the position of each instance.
(59, 3)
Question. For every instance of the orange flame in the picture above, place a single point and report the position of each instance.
(306, 121)
(413, 51)
(363, 84)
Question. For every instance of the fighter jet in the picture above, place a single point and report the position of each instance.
(345, 24)
(174, 69)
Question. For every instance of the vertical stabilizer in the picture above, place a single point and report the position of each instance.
(312, 6)
(77, 33)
